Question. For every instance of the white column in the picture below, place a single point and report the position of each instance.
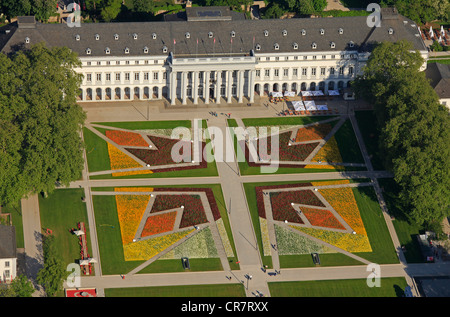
(251, 90)
(195, 88)
(229, 84)
(240, 85)
(183, 87)
(206, 91)
(218, 84)
(173, 87)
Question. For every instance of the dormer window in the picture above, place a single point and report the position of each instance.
(116, 36)
(210, 34)
(258, 47)
(303, 32)
(164, 49)
(145, 49)
(276, 46)
(351, 44)
(27, 40)
(333, 45)
(97, 37)
(341, 31)
(284, 32)
(107, 50)
(295, 46)
(266, 33)
(233, 34)
(322, 31)
(314, 46)
(88, 51)
(127, 50)
(154, 36)
(135, 36)
(391, 31)
(187, 35)
(77, 37)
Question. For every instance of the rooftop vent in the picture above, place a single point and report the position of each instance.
(314, 46)
(88, 51)
(391, 31)
(276, 46)
(107, 50)
(164, 49)
(127, 50)
(341, 31)
(295, 46)
(135, 36)
(145, 49)
(187, 35)
(77, 37)
(233, 34)
(210, 34)
(27, 40)
(97, 37)
(322, 31)
(333, 45)
(258, 47)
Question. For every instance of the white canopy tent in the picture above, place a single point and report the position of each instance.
(317, 93)
(289, 94)
(322, 107)
(78, 232)
(276, 94)
(310, 105)
(307, 93)
(333, 92)
(298, 105)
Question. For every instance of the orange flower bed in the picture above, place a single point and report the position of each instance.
(159, 223)
(343, 201)
(321, 218)
(316, 132)
(120, 160)
(126, 138)
(130, 209)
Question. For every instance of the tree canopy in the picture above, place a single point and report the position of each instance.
(40, 121)
(414, 129)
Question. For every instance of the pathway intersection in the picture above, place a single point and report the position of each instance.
(241, 223)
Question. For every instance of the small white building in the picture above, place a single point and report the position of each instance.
(8, 254)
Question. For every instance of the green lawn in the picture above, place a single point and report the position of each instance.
(217, 290)
(381, 243)
(98, 157)
(390, 287)
(367, 125)
(16, 217)
(61, 211)
(110, 241)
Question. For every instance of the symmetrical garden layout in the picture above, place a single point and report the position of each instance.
(171, 222)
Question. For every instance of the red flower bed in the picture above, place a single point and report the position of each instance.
(209, 194)
(159, 223)
(193, 212)
(126, 138)
(282, 208)
(321, 218)
(163, 154)
(260, 195)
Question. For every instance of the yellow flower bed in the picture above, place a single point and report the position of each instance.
(146, 249)
(130, 209)
(120, 160)
(328, 153)
(133, 189)
(343, 201)
(265, 236)
(339, 182)
(345, 241)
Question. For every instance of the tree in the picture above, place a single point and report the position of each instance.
(40, 122)
(53, 274)
(274, 11)
(43, 9)
(14, 8)
(414, 130)
(111, 9)
(19, 287)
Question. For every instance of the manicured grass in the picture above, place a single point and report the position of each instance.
(407, 232)
(390, 287)
(348, 144)
(96, 152)
(61, 211)
(282, 121)
(110, 241)
(440, 61)
(383, 251)
(16, 216)
(217, 290)
(367, 125)
(145, 125)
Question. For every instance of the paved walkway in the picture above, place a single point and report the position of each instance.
(234, 195)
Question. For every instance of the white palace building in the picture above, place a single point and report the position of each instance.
(214, 55)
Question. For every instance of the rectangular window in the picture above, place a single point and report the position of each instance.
(294, 72)
(322, 71)
(99, 77)
(118, 76)
(341, 70)
(258, 73)
(146, 76)
(313, 72)
(276, 72)
(6, 263)
(155, 76)
(136, 76)
(304, 71)
(127, 76)
(267, 72)
(88, 77)
(108, 77)
(285, 72)
(165, 75)
(332, 71)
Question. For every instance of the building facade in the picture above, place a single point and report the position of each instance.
(213, 55)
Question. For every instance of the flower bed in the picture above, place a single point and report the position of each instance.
(289, 243)
(321, 218)
(130, 209)
(126, 138)
(159, 224)
(193, 212)
(281, 204)
(315, 132)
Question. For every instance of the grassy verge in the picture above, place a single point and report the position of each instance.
(217, 290)
(367, 126)
(390, 287)
(16, 219)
